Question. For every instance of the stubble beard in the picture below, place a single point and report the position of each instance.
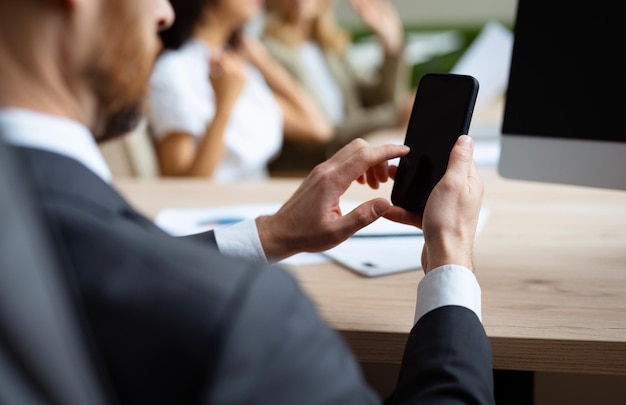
(120, 75)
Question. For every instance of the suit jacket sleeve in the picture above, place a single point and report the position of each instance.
(447, 360)
(204, 237)
(276, 350)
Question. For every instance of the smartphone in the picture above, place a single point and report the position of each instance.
(442, 111)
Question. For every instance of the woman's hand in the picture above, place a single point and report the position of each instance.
(381, 17)
(228, 76)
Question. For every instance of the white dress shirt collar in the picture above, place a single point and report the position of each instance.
(53, 134)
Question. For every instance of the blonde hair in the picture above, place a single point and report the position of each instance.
(326, 32)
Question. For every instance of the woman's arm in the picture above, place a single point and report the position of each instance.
(302, 119)
(381, 17)
(179, 155)
(391, 82)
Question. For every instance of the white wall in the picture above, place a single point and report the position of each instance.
(440, 12)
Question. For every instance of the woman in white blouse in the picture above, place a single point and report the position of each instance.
(219, 103)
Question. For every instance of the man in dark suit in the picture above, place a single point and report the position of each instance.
(180, 320)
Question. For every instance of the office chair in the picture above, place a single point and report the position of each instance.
(44, 355)
(132, 155)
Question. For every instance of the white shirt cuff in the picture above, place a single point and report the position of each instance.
(450, 284)
(240, 240)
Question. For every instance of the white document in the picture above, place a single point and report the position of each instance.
(488, 59)
(383, 247)
(188, 221)
(379, 255)
(382, 254)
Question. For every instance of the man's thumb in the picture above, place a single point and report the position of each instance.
(461, 155)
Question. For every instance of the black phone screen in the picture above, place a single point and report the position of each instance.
(442, 111)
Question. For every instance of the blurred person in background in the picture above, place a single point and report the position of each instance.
(305, 38)
(219, 103)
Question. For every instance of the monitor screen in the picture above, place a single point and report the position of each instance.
(562, 120)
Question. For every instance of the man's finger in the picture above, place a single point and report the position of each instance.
(461, 156)
(358, 157)
(364, 214)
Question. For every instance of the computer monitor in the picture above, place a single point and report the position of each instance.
(565, 111)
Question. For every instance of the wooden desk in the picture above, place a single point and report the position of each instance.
(551, 261)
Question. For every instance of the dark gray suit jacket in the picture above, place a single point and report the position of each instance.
(176, 322)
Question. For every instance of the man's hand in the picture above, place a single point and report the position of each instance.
(451, 215)
(311, 220)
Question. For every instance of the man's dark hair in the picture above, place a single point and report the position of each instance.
(189, 13)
